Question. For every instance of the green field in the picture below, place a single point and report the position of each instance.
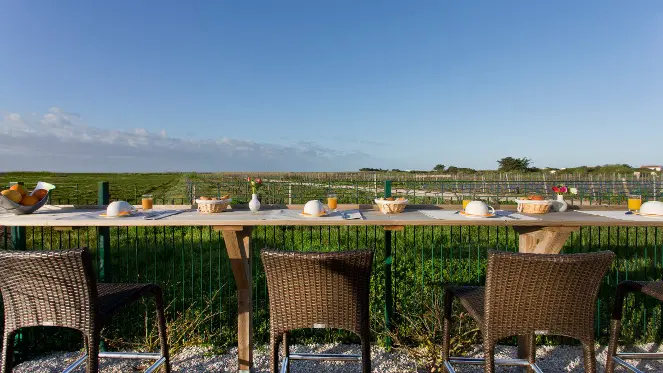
(82, 188)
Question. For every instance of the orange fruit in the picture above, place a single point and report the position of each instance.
(12, 195)
(40, 194)
(19, 188)
(29, 201)
(536, 198)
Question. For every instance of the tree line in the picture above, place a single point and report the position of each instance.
(519, 165)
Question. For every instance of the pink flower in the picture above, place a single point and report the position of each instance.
(259, 180)
(248, 179)
(563, 189)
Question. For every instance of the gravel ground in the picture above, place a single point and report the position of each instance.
(193, 360)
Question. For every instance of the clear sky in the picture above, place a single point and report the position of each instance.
(328, 85)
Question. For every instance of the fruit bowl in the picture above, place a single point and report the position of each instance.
(19, 209)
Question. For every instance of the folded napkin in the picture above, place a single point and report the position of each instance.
(352, 214)
(622, 215)
(455, 215)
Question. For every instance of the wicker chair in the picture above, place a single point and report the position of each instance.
(58, 288)
(318, 290)
(653, 289)
(528, 294)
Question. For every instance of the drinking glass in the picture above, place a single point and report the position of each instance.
(332, 201)
(634, 202)
(147, 202)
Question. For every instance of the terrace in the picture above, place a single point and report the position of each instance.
(192, 257)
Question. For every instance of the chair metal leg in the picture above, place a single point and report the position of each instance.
(448, 301)
(286, 353)
(8, 351)
(163, 337)
(589, 354)
(274, 342)
(366, 353)
(93, 351)
(615, 330)
(531, 352)
(489, 356)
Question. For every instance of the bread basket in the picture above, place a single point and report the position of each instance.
(391, 207)
(212, 206)
(534, 206)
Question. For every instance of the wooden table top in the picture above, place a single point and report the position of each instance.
(87, 216)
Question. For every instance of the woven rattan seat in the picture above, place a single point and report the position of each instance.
(473, 300)
(58, 288)
(114, 297)
(318, 290)
(528, 294)
(653, 289)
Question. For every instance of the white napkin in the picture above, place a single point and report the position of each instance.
(352, 214)
(455, 215)
(622, 215)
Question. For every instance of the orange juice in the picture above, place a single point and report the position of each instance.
(332, 202)
(465, 202)
(634, 203)
(147, 203)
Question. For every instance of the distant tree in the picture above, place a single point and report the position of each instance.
(366, 169)
(439, 168)
(396, 170)
(509, 164)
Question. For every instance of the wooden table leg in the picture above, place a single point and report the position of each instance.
(238, 245)
(540, 240)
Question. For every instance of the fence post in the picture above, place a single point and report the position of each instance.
(290, 193)
(388, 283)
(103, 244)
(18, 233)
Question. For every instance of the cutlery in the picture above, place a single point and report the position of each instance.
(161, 215)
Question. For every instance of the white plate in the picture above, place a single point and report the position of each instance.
(478, 216)
(119, 216)
(312, 216)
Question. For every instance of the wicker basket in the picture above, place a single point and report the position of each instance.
(212, 206)
(391, 207)
(533, 207)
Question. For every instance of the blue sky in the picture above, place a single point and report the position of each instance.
(330, 85)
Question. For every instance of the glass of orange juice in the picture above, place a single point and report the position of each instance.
(634, 202)
(147, 202)
(465, 202)
(332, 201)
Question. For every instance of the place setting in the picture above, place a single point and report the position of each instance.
(636, 210)
(315, 209)
(475, 210)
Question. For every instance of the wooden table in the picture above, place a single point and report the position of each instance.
(546, 235)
